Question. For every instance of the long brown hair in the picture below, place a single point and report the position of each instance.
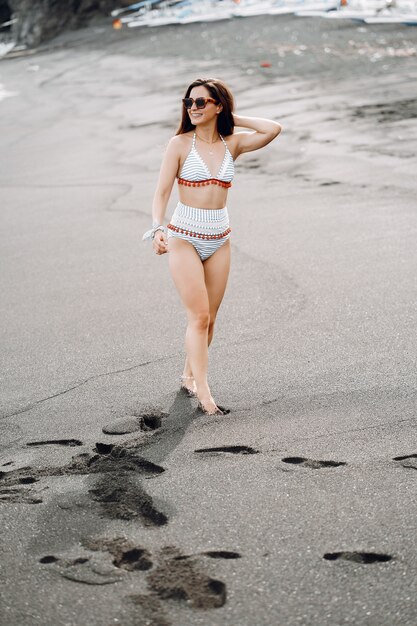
(222, 94)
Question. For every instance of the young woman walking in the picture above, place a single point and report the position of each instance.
(201, 156)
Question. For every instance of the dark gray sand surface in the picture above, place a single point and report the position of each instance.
(297, 508)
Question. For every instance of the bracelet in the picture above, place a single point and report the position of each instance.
(160, 227)
(150, 234)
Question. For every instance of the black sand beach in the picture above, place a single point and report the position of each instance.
(297, 508)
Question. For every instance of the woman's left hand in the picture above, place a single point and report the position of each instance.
(160, 242)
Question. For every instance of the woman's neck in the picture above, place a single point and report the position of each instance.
(207, 133)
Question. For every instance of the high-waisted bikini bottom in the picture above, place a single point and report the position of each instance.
(206, 229)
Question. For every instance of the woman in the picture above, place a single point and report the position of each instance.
(201, 156)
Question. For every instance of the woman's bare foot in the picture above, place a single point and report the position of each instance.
(207, 404)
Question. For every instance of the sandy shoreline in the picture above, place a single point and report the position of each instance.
(314, 351)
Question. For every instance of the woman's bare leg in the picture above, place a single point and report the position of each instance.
(188, 275)
(216, 274)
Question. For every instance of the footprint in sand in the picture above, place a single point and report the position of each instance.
(358, 557)
(213, 554)
(222, 554)
(84, 569)
(12, 492)
(126, 555)
(227, 449)
(311, 463)
(180, 579)
(12, 495)
(98, 570)
(408, 461)
(146, 422)
(106, 458)
(169, 576)
(57, 442)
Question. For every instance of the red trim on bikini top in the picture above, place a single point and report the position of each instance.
(207, 181)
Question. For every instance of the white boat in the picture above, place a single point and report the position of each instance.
(284, 7)
(136, 7)
(6, 44)
(206, 11)
(316, 9)
(405, 18)
(5, 47)
(142, 11)
(395, 13)
(183, 12)
(313, 12)
(303, 8)
(161, 11)
(159, 17)
(162, 20)
(371, 11)
(346, 14)
(153, 13)
(251, 8)
(135, 17)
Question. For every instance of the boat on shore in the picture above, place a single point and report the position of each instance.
(252, 8)
(163, 13)
(395, 13)
(162, 16)
(6, 47)
(7, 42)
(408, 19)
(374, 12)
(303, 8)
(153, 13)
(207, 12)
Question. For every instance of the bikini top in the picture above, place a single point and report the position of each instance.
(195, 173)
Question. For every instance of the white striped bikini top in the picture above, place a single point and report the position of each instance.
(195, 173)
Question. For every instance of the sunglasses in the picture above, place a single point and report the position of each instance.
(200, 103)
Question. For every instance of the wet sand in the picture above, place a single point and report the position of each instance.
(299, 506)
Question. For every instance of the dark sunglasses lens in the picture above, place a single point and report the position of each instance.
(200, 103)
(188, 103)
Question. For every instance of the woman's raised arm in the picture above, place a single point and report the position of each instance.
(264, 131)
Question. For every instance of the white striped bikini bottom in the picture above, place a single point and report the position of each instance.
(206, 229)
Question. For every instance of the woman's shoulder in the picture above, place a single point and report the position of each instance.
(182, 139)
(180, 143)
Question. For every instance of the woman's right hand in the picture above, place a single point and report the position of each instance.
(160, 242)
